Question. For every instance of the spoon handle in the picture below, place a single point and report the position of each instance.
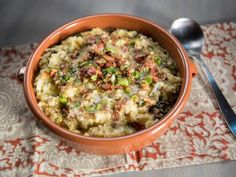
(225, 108)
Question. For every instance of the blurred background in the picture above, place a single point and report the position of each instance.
(27, 21)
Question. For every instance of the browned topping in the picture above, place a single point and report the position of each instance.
(74, 54)
(93, 40)
(107, 87)
(151, 65)
(140, 57)
(100, 62)
(110, 61)
(108, 58)
(90, 71)
(117, 109)
(99, 48)
(120, 61)
(53, 72)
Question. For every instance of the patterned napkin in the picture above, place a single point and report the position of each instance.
(199, 134)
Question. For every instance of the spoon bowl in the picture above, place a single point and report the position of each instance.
(189, 33)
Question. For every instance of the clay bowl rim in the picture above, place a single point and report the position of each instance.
(28, 88)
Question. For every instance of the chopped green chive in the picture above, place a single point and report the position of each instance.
(148, 79)
(143, 82)
(134, 98)
(137, 75)
(158, 61)
(93, 108)
(90, 108)
(110, 70)
(77, 104)
(65, 77)
(71, 70)
(123, 82)
(85, 63)
(98, 106)
(63, 100)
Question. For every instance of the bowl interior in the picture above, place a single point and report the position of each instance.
(160, 35)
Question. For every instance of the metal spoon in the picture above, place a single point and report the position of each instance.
(190, 35)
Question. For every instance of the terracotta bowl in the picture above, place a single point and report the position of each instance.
(127, 143)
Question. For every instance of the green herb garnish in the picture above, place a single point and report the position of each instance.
(98, 106)
(93, 108)
(63, 100)
(72, 70)
(134, 98)
(77, 105)
(148, 79)
(85, 63)
(137, 75)
(110, 70)
(90, 108)
(65, 77)
(123, 82)
(158, 61)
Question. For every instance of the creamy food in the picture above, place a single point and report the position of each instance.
(106, 83)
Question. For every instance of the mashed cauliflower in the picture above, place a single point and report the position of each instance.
(106, 83)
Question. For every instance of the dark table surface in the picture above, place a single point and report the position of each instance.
(26, 21)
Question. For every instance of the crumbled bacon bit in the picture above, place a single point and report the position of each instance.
(109, 64)
(108, 58)
(113, 60)
(91, 71)
(92, 40)
(85, 72)
(161, 76)
(83, 91)
(107, 86)
(153, 69)
(155, 78)
(91, 55)
(120, 61)
(140, 57)
(74, 54)
(126, 72)
(110, 61)
(53, 72)
(118, 108)
(100, 62)
(99, 48)
(99, 73)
